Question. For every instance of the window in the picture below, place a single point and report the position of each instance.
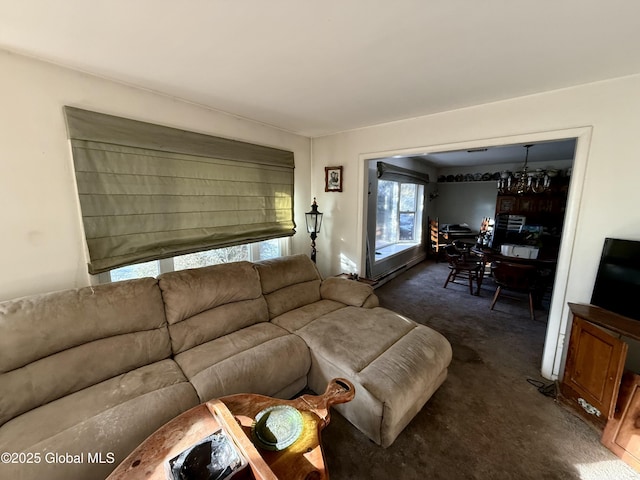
(387, 219)
(408, 207)
(249, 252)
(216, 256)
(399, 215)
(139, 270)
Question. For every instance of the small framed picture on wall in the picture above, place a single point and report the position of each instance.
(332, 179)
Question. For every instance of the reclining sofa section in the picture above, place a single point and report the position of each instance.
(98, 369)
(394, 363)
(85, 371)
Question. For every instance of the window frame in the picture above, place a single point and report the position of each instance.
(417, 213)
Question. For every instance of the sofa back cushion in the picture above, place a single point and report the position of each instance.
(55, 344)
(203, 304)
(288, 283)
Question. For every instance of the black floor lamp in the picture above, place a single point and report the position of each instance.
(314, 221)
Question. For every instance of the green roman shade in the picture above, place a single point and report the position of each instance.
(148, 191)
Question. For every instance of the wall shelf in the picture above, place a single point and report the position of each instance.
(495, 182)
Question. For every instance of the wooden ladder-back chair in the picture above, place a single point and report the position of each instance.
(516, 277)
(484, 225)
(486, 231)
(434, 237)
(484, 237)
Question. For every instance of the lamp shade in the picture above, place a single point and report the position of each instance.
(314, 218)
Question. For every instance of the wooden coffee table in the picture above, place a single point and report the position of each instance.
(304, 460)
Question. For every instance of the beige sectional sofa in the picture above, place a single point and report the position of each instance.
(87, 374)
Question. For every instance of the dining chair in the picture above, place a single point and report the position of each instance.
(461, 266)
(516, 277)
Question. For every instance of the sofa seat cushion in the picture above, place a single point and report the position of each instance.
(112, 416)
(394, 363)
(294, 320)
(354, 337)
(249, 360)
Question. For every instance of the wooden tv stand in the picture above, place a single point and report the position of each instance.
(595, 384)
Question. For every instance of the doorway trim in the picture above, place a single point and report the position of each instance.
(553, 355)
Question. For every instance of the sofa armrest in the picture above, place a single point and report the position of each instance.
(348, 292)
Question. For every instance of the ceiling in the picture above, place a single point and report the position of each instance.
(547, 152)
(316, 68)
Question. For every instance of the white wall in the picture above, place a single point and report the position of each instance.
(42, 247)
(604, 195)
(470, 202)
(465, 202)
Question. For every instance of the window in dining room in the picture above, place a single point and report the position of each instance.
(399, 217)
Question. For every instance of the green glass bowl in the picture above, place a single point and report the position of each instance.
(276, 428)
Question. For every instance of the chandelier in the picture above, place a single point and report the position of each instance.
(526, 181)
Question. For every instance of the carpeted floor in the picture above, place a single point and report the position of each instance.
(487, 421)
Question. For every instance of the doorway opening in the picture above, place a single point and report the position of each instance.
(480, 198)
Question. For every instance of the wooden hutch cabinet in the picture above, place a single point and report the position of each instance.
(546, 209)
(506, 204)
(539, 208)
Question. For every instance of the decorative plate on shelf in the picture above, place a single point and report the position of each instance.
(477, 177)
(486, 176)
(276, 428)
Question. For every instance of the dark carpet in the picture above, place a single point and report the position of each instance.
(488, 420)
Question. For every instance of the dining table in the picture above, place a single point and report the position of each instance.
(492, 255)
(545, 265)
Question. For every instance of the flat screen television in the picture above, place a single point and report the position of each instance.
(617, 286)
